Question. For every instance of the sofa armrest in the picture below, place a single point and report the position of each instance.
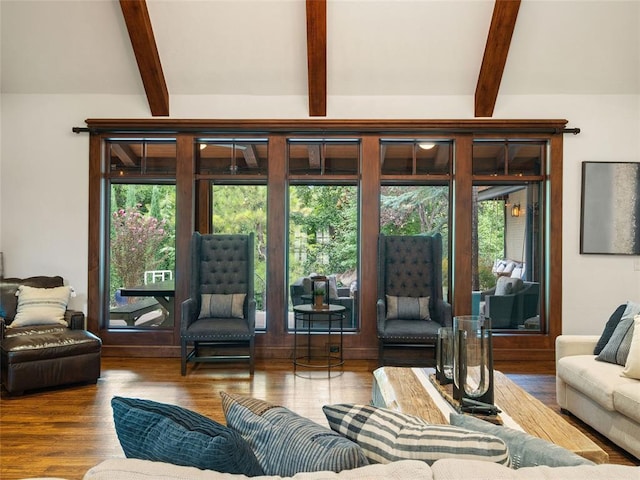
(75, 319)
(569, 345)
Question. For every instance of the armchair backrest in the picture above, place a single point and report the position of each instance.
(222, 264)
(410, 266)
(9, 287)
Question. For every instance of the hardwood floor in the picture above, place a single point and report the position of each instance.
(63, 432)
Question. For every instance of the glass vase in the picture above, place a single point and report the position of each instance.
(444, 356)
(473, 359)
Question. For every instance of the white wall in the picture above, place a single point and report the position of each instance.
(44, 168)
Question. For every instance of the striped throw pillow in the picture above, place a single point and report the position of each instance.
(286, 443)
(222, 306)
(407, 308)
(41, 306)
(617, 348)
(386, 436)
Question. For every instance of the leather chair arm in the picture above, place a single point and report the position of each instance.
(75, 319)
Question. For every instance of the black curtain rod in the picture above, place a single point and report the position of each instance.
(447, 131)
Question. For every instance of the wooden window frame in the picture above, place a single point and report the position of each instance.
(275, 343)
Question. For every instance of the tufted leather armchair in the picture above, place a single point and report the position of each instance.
(410, 266)
(221, 269)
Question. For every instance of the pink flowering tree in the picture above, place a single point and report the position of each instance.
(137, 244)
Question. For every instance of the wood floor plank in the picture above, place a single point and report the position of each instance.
(63, 432)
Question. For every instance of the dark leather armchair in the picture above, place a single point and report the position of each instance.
(44, 355)
(410, 276)
(221, 311)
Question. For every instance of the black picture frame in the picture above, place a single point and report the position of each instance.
(610, 208)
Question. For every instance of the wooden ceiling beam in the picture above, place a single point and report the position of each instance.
(136, 16)
(317, 57)
(315, 156)
(126, 155)
(250, 155)
(503, 22)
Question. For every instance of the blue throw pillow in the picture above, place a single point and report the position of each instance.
(286, 443)
(167, 433)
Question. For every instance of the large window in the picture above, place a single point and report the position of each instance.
(242, 209)
(323, 222)
(316, 194)
(507, 232)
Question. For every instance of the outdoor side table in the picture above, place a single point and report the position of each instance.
(310, 321)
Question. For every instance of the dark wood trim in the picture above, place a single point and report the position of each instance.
(322, 126)
(461, 239)
(503, 22)
(136, 16)
(193, 202)
(317, 57)
(96, 245)
(185, 224)
(277, 235)
(369, 231)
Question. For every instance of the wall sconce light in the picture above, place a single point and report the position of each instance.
(515, 210)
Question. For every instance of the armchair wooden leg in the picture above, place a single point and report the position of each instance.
(183, 357)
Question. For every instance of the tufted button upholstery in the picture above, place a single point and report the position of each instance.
(410, 266)
(220, 265)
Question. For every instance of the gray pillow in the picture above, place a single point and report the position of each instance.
(609, 328)
(408, 308)
(286, 443)
(222, 306)
(525, 450)
(617, 348)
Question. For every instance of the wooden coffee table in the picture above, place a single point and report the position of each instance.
(402, 389)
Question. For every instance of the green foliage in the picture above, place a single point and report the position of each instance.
(142, 232)
(136, 245)
(328, 217)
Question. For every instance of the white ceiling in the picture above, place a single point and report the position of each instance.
(374, 47)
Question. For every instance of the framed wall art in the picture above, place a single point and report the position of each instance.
(610, 210)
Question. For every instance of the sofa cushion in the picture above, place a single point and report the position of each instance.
(133, 469)
(626, 398)
(167, 433)
(41, 306)
(386, 436)
(597, 380)
(508, 286)
(525, 450)
(451, 469)
(610, 327)
(617, 348)
(286, 443)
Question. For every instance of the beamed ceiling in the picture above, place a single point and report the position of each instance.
(319, 48)
(503, 21)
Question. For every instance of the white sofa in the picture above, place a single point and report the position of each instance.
(596, 393)
(448, 469)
